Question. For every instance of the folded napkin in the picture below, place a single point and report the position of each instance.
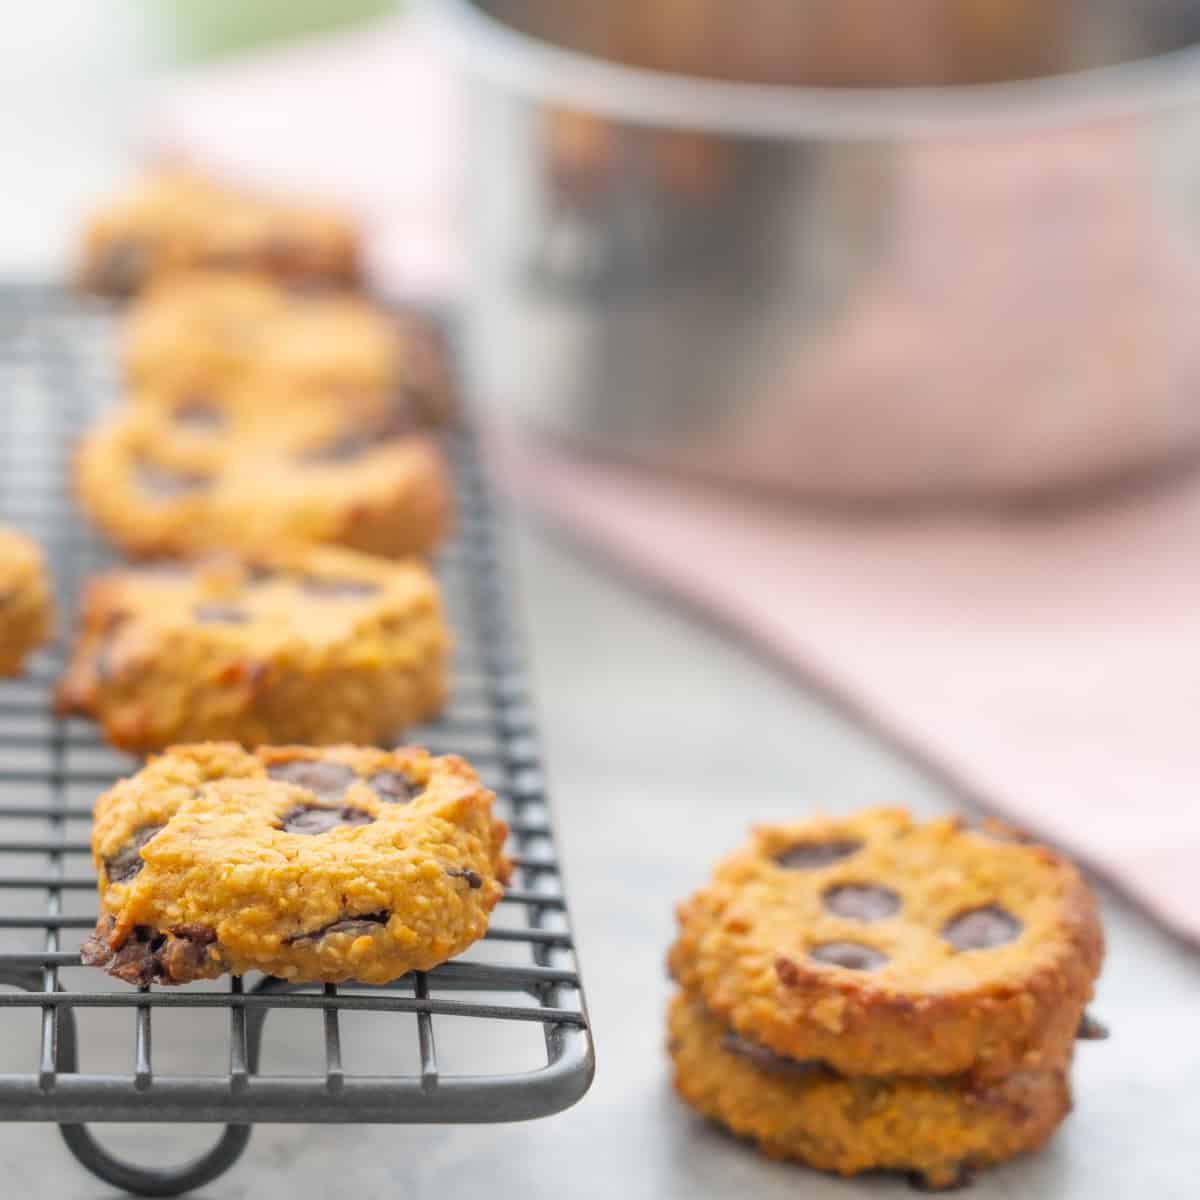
(1049, 663)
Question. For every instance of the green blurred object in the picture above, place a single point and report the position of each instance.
(192, 30)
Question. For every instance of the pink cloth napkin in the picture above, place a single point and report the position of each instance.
(1050, 665)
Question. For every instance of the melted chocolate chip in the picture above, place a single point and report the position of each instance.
(982, 928)
(260, 573)
(964, 1176)
(807, 856)
(193, 931)
(317, 818)
(164, 568)
(861, 901)
(147, 955)
(767, 1059)
(326, 779)
(200, 414)
(128, 861)
(473, 878)
(343, 449)
(121, 268)
(165, 483)
(855, 956)
(1090, 1029)
(352, 444)
(133, 961)
(392, 787)
(220, 614)
(290, 257)
(363, 923)
(338, 588)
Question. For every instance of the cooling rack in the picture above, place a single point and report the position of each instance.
(76, 1047)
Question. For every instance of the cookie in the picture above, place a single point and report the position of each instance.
(938, 1128)
(178, 221)
(234, 419)
(314, 645)
(377, 488)
(308, 865)
(882, 946)
(215, 332)
(26, 608)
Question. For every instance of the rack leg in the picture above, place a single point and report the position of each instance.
(156, 1181)
(148, 1181)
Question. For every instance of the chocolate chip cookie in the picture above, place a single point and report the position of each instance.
(26, 607)
(314, 645)
(346, 863)
(215, 332)
(937, 1128)
(883, 946)
(178, 221)
(379, 487)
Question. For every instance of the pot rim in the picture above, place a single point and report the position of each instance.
(542, 71)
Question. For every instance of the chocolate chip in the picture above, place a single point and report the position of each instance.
(317, 818)
(200, 414)
(193, 931)
(343, 449)
(220, 614)
(807, 856)
(326, 779)
(338, 588)
(963, 1176)
(134, 960)
(165, 483)
(260, 573)
(855, 956)
(1090, 1029)
(122, 266)
(473, 878)
(128, 861)
(363, 923)
(181, 959)
(147, 954)
(392, 787)
(354, 443)
(290, 257)
(767, 1059)
(982, 928)
(164, 568)
(861, 901)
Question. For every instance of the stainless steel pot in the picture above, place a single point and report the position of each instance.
(866, 250)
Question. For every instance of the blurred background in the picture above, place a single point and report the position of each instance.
(840, 362)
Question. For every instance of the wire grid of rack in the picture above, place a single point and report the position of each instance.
(56, 374)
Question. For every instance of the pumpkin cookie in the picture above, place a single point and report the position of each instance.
(213, 332)
(882, 946)
(309, 865)
(26, 608)
(382, 488)
(939, 1128)
(308, 645)
(179, 221)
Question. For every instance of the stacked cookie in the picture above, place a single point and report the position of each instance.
(870, 992)
(276, 453)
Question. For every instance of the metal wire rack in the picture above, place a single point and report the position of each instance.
(429, 1061)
